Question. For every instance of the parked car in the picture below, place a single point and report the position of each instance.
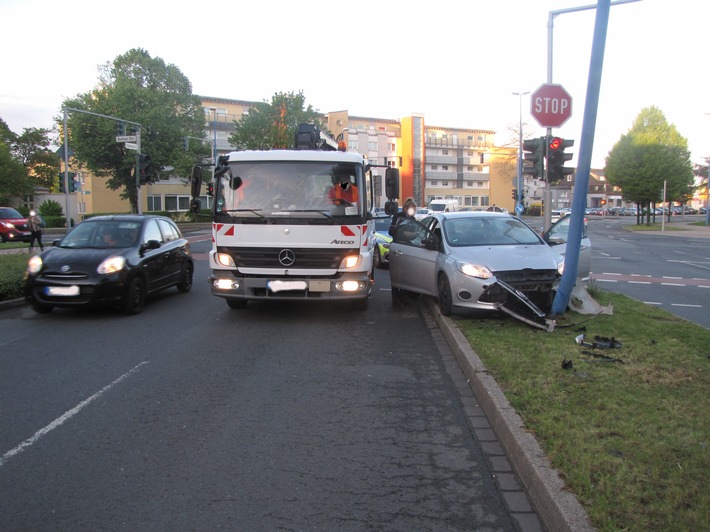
(13, 226)
(421, 213)
(495, 208)
(556, 237)
(474, 260)
(110, 260)
(382, 241)
(555, 215)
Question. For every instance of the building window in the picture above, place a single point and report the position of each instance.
(444, 152)
(352, 144)
(444, 183)
(482, 160)
(434, 166)
(434, 182)
(469, 183)
(469, 168)
(485, 201)
(445, 168)
(155, 203)
(177, 203)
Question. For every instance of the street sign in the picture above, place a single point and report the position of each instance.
(551, 105)
(519, 208)
(131, 146)
(127, 138)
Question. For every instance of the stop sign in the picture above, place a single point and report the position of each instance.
(551, 105)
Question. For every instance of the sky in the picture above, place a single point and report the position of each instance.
(457, 62)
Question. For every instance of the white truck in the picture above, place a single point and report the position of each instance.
(292, 223)
(444, 205)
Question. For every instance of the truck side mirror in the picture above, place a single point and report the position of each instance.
(392, 183)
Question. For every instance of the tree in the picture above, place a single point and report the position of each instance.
(141, 89)
(32, 148)
(650, 153)
(273, 125)
(13, 176)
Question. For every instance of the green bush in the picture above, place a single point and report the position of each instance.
(12, 268)
(51, 208)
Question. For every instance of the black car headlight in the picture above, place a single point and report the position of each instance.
(34, 265)
(111, 265)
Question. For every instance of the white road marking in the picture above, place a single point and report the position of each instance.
(64, 417)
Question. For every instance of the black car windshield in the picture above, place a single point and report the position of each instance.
(488, 231)
(278, 189)
(103, 234)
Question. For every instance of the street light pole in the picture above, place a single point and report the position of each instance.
(519, 176)
(214, 141)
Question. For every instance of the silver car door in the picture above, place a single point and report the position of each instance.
(412, 264)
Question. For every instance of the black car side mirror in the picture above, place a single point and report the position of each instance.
(151, 244)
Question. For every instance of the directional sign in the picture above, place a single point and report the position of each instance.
(551, 105)
(127, 138)
(131, 146)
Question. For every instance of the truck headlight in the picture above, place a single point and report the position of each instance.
(350, 261)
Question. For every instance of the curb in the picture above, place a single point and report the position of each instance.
(558, 508)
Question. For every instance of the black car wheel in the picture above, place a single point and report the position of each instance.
(134, 299)
(185, 284)
(444, 293)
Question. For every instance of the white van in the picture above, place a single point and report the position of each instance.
(444, 205)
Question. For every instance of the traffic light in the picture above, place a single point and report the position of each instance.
(556, 158)
(144, 164)
(515, 194)
(535, 153)
(120, 129)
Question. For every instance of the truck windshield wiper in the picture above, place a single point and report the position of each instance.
(326, 214)
(253, 211)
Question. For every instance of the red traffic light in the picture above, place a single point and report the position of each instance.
(555, 143)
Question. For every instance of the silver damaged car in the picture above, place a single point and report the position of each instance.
(475, 260)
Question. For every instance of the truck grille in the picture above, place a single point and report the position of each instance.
(301, 257)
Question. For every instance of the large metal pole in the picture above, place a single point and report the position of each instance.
(581, 182)
(66, 171)
(547, 193)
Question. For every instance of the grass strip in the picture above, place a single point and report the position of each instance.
(629, 433)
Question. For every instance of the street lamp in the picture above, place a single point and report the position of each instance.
(519, 177)
(214, 127)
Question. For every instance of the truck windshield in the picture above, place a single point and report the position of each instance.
(293, 188)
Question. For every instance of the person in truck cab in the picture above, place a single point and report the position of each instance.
(343, 191)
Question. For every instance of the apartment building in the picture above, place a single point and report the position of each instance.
(434, 162)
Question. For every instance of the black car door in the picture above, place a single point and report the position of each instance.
(154, 260)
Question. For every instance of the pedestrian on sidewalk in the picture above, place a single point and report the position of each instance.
(36, 225)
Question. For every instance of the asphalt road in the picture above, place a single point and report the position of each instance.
(669, 270)
(192, 416)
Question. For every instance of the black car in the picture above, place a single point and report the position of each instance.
(110, 260)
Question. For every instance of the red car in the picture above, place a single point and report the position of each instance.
(13, 226)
